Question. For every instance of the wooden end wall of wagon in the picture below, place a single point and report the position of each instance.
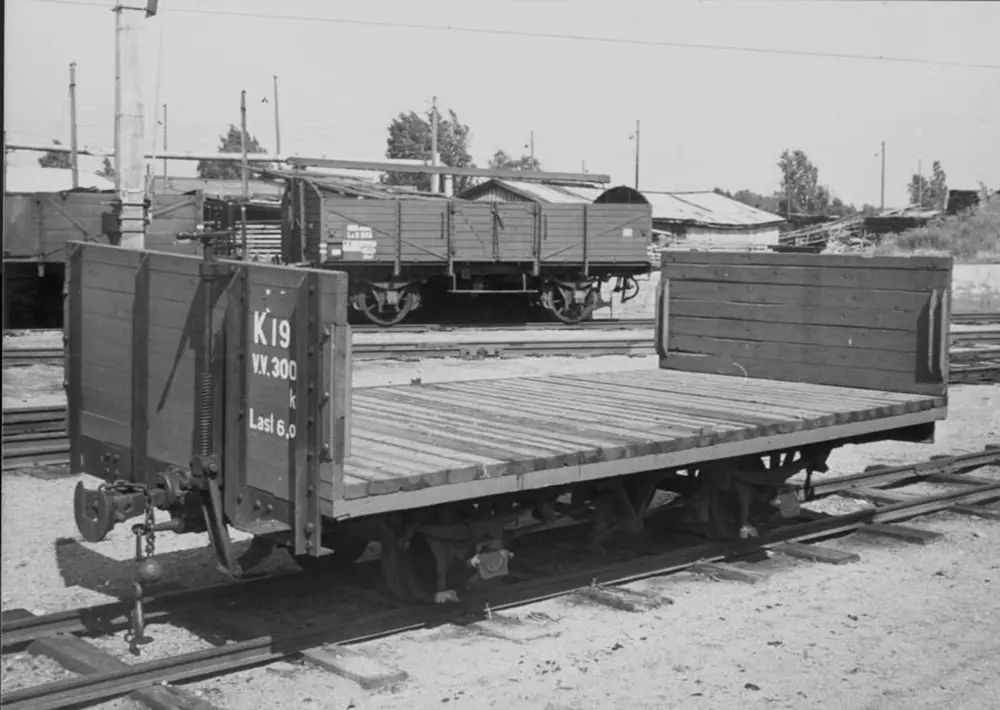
(38, 227)
(878, 323)
(279, 361)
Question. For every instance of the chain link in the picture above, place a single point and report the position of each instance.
(150, 523)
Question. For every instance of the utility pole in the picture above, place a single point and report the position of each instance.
(245, 172)
(883, 176)
(164, 146)
(637, 154)
(277, 125)
(434, 143)
(130, 182)
(74, 161)
(920, 183)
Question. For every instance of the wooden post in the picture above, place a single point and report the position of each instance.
(164, 146)
(277, 125)
(130, 121)
(74, 160)
(637, 155)
(434, 144)
(883, 175)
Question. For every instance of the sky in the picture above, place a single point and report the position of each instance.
(710, 117)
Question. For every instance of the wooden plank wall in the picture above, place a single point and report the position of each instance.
(39, 226)
(875, 323)
(618, 234)
(127, 298)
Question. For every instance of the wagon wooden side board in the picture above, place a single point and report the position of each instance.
(767, 363)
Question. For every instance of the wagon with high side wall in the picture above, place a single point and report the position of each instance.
(400, 253)
(220, 392)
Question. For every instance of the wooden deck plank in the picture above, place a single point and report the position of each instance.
(408, 438)
(780, 401)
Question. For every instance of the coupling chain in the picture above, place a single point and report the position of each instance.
(150, 522)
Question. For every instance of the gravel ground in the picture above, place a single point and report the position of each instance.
(908, 627)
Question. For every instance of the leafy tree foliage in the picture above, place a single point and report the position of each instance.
(54, 159)
(229, 143)
(502, 161)
(410, 138)
(930, 194)
(800, 182)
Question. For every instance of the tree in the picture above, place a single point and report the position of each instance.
(410, 138)
(929, 194)
(800, 181)
(502, 161)
(230, 143)
(56, 159)
(107, 170)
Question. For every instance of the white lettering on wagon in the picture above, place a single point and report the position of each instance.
(279, 329)
(270, 424)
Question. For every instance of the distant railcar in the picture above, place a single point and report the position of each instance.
(396, 251)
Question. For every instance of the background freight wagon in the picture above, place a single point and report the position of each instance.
(397, 251)
(37, 227)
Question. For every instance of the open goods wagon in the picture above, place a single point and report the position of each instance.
(399, 251)
(221, 393)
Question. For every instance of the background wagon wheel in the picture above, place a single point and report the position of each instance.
(565, 310)
(368, 303)
(345, 549)
(410, 573)
(719, 509)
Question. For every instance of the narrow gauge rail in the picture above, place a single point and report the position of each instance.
(266, 649)
(624, 345)
(16, 633)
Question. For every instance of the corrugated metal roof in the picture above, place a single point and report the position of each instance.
(709, 208)
(27, 179)
(557, 193)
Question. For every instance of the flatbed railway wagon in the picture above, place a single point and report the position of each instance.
(220, 392)
(398, 252)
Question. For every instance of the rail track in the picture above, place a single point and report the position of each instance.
(598, 583)
(37, 436)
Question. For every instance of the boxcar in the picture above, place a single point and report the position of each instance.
(397, 251)
(221, 393)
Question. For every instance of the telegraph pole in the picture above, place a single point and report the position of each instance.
(164, 146)
(277, 126)
(130, 182)
(883, 175)
(637, 154)
(245, 172)
(72, 126)
(920, 183)
(434, 143)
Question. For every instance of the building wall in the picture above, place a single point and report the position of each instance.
(713, 238)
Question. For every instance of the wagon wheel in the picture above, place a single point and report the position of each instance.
(559, 301)
(372, 303)
(719, 508)
(346, 550)
(411, 573)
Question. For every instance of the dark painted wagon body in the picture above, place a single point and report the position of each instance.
(767, 363)
(397, 250)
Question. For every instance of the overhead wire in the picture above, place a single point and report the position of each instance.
(556, 36)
